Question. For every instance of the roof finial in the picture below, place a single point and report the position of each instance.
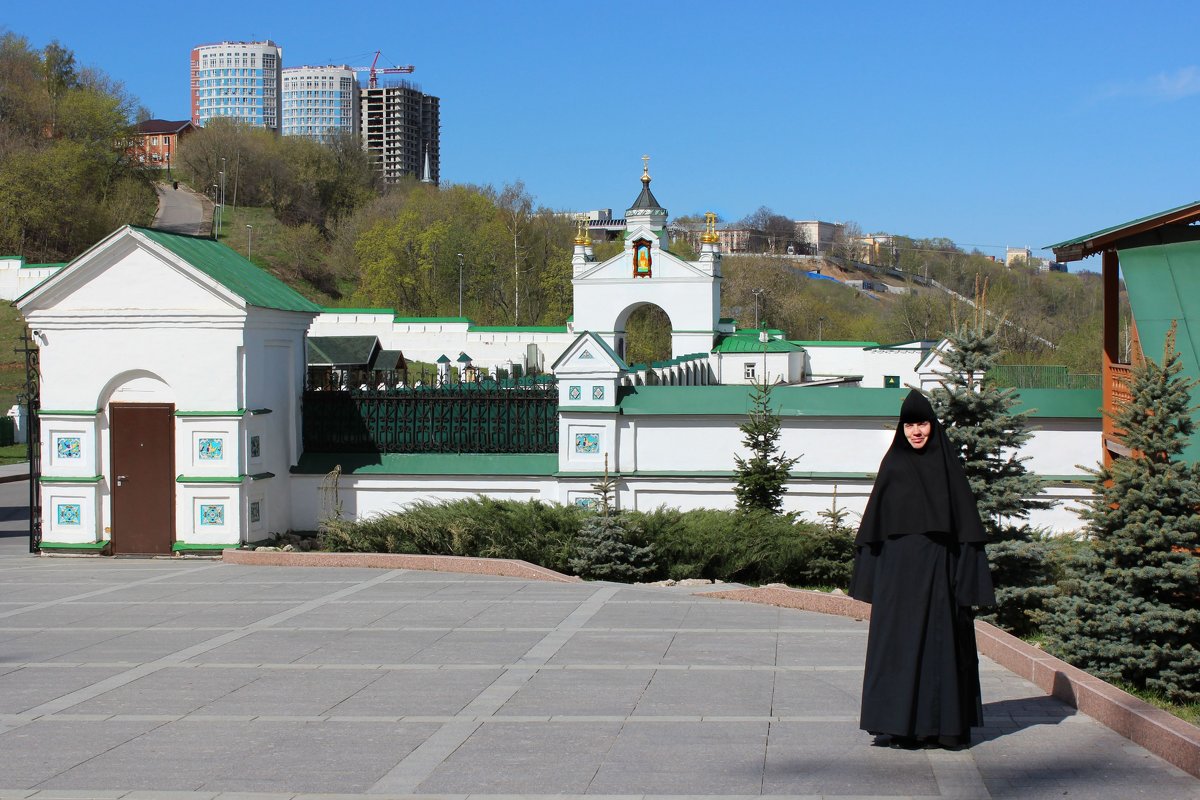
(710, 229)
(646, 169)
(581, 230)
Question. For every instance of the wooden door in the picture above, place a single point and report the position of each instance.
(143, 480)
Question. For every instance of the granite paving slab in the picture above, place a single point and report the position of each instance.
(201, 680)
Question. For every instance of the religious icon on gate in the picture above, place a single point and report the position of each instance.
(641, 258)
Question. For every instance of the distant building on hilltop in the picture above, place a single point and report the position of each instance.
(239, 81)
(401, 130)
(320, 101)
(817, 237)
(1013, 255)
(157, 140)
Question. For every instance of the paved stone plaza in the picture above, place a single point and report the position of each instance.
(199, 679)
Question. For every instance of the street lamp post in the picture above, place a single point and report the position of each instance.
(460, 283)
(757, 294)
(249, 239)
(820, 329)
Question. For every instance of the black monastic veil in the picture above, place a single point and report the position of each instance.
(920, 562)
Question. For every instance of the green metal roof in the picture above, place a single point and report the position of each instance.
(254, 285)
(518, 329)
(827, 343)
(341, 351)
(819, 401)
(428, 463)
(1164, 225)
(1195, 204)
(431, 319)
(333, 310)
(1163, 282)
(751, 344)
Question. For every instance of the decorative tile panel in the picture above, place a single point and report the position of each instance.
(212, 514)
(69, 447)
(586, 502)
(587, 443)
(597, 392)
(255, 446)
(210, 449)
(255, 511)
(69, 514)
(575, 392)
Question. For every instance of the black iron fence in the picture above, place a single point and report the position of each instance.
(454, 418)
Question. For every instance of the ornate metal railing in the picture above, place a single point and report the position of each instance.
(456, 418)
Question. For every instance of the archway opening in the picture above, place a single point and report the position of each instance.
(647, 335)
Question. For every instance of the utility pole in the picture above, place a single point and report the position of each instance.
(757, 294)
(249, 239)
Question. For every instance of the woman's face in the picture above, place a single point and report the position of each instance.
(917, 433)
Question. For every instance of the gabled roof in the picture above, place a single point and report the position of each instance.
(1112, 237)
(751, 344)
(341, 351)
(151, 126)
(590, 340)
(237, 274)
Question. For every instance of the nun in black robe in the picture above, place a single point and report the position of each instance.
(920, 563)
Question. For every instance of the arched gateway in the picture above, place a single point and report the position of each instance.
(645, 272)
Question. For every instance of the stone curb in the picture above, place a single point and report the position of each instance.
(1163, 734)
(509, 568)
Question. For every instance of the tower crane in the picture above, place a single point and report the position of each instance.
(373, 71)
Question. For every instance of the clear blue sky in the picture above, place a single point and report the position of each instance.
(1007, 123)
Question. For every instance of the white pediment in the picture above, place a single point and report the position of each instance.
(127, 272)
(589, 355)
(665, 267)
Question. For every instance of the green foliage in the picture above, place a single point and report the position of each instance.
(1128, 612)
(762, 478)
(61, 130)
(647, 336)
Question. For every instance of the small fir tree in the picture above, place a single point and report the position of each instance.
(1131, 613)
(762, 478)
(988, 434)
(605, 547)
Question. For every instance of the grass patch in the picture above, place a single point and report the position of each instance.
(1189, 713)
(14, 454)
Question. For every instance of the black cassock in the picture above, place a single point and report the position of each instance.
(921, 564)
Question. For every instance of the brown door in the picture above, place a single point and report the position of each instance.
(143, 483)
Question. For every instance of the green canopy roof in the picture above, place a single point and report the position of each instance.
(237, 274)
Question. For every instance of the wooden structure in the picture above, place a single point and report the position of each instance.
(1159, 258)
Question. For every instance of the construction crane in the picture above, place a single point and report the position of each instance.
(384, 71)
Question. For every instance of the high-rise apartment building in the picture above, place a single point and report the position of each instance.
(320, 101)
(401, 130)
(238, 80)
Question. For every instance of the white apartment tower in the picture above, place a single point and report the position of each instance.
(320, 101)
(238, 80)
(401, 130)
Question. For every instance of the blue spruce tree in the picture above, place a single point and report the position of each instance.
(1132, 611)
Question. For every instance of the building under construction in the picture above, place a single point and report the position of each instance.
(401, 131)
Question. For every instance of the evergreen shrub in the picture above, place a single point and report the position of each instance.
(650, 545)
